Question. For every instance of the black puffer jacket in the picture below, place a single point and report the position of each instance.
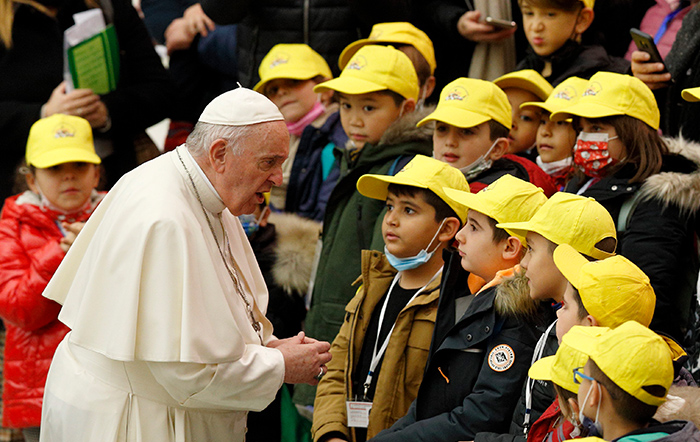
(325, 25)
(660, 232)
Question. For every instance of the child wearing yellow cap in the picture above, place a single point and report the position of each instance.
(472, 122)
(554, 29)
(564, 219)
(620, 155)
(483, 343)
(37, 228)
(382, 347)
(559, 422)
(626, 378)
(377, 92)
(288, 74)
(408, 39)
(524, 86)
(555, 140)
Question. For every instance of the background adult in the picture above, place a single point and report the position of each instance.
(31, 82)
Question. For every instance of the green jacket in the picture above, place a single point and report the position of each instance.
(352, 223)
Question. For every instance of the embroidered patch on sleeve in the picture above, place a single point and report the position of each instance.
(501, 358)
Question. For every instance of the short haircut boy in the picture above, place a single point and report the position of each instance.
(613, 290)
(398, 34)
(632, 363)
(373, 69)
(422, 175)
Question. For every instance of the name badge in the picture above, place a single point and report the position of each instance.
(358, 413)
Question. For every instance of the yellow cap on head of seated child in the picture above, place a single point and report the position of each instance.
(526, 79)
(631, 355)
(567, 218)
(423, 172)
(608, 94)
(393, 32)
(60, 139)
(559, 367)
(588, 3)
(508, 199)
(468, 102)
(293, 61)
(613, 290)
(376, 68)
(691, 94)
(566, 94)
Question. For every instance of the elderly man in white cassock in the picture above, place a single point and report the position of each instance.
(164, 298)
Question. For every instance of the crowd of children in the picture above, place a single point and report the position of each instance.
(515, 262)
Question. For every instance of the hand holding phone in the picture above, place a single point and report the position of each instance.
(499, 23)
(651, 71)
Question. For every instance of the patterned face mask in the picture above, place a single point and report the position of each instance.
(592, 155)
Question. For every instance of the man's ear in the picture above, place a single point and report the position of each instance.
(449, 229)
(218, 152)
(583, 21)
(512, 249)
(408, 106)
(500, 149)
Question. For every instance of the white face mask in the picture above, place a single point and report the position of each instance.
(479, 165)
(554, 166)
(581, 417)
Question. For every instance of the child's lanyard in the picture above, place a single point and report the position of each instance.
(378, 354)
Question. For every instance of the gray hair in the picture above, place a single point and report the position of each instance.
(204, 134)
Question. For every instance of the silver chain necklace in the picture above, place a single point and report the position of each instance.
(232, 272)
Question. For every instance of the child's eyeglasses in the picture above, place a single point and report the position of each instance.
(578, 375)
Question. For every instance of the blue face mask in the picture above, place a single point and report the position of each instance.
(412, 262)
(594, 427)
(250, 223)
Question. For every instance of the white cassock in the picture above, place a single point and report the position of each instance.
(161, 347)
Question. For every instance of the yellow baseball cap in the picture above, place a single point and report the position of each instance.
(608, 94)
(422, 172)
(60, 139)
(527, 79)
(393, 32)
(692, 94)
(507, 199)
(375, 68)
(631, 355)
(588, 3)
(294, 61)
(559, 367)
(564, 95)
(571, 219)
(613, 290)
(468, 102)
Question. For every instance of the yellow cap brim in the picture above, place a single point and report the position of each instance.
(291, 74)
(376, 186)
(569, 262)
(692, 94)
(455, 117)
(64, 155)
(675, 349)
(349, 85)
(541, 370)
(585, 110)
(520, 229)
(524, 84)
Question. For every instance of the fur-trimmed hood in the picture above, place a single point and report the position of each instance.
(677, 188)
(513, 297)
(404, 129)
(294, 251)
(682, 403)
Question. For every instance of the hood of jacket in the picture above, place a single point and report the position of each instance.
(513, 298)
(294, 254)
(674, 187)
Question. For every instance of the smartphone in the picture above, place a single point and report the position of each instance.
(498, 23)
(645, 43)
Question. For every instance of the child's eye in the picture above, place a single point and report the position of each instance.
(440, 128)
(526, 118)
(389, 207)
(409, 211)
(465, 132)
(368, 108)
(272, 90)
(344, 105)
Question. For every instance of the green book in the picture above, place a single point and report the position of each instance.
(94, 63)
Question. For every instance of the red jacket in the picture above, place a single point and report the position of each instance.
(551, 426)
(29, 256)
